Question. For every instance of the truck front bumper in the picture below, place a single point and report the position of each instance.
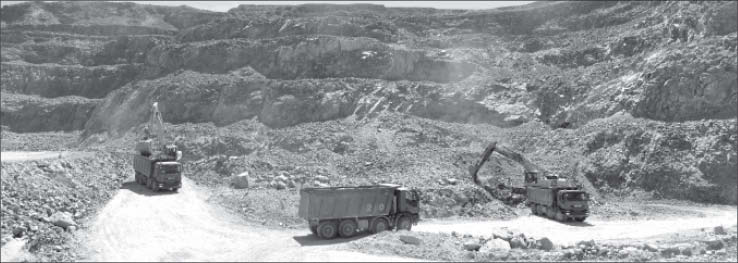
(576, 213)
(169, 185)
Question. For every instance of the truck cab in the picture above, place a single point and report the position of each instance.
(573, 203)
(168, 175)
(408, 200)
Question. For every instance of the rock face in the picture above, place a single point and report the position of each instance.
(24, 113)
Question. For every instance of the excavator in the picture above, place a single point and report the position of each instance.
(545, 193)
(156, 161)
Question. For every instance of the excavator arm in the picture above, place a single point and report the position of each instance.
(159, 135)
(531, 170)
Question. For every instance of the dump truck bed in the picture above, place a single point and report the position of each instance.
(345, 202)
(544, 196)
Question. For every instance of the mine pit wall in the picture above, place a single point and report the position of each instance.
(22, 113)
(53, 80)
(316, 57)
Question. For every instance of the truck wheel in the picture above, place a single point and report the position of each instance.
(379, 225)
(405, 223)
(579, 219)
(327, 229)
(347, 228)
(560, 216)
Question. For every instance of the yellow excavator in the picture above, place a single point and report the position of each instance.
(545, 193)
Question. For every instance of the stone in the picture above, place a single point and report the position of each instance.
(670, 251)
(279, 185)
(321, 178)
(62, 219)
(544, 244)
(18, 231)
(472, 246)
(240, 181)
(502, 234)
(586, 243)
(452, 181)
(517, 242)
(495, 244)
(715, 244)
(410, 240)
(719, 230)
(650, 247)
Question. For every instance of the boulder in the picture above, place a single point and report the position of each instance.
(472, 245)
(670, 251)
(715, 244)
(517, 242)
(495, 244)
(279, 185)
(410, 240)
(503, 234)
(544, 243)
(650, 247)
(321, 178)
(240, 181)
(62, 219)
(719, 230)
(18, 232)
(586, 243)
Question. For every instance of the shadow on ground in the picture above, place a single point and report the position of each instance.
(312, 240)
(142, 190)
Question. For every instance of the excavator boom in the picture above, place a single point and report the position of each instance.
(531, 170)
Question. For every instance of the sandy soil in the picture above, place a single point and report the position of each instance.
(140, 225)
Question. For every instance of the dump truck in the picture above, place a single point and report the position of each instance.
(156, 161)
(346, 211)
(546, 194)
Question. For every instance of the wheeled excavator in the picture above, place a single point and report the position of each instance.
(156, 161)
(545, 193)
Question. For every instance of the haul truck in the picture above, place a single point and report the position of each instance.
(345, 211)
(547, 194)
(156, 159)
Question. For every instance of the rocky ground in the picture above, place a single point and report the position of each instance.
(45, 201)
(703, 245)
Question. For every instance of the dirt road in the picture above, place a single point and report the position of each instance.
(571, 232)
(29, 156)
(139, 225)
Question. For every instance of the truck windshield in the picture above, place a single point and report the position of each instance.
(576, 197)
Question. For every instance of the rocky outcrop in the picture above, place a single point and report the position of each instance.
(23, 113)
(693, 160)
(690, 84)
(53, 80)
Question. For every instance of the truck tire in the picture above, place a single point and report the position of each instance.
(347, 228)
(560, 216)
(380, 224)
(579, 219)
(328, 229)
(405, 223)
